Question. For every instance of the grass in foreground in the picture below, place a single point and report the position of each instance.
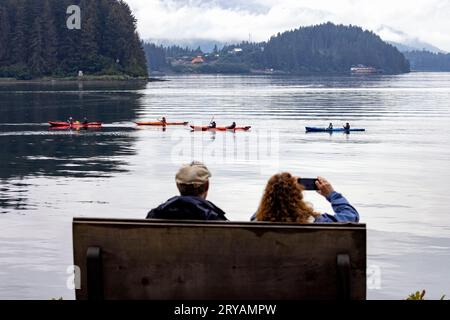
(420, 295)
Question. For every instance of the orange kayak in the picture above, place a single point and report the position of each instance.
(199, 128)
(160, 124)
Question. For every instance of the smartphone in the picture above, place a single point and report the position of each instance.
(309, 184)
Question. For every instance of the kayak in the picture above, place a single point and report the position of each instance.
(76, 125)
(314, 129)
(160, 124)
(199, 128)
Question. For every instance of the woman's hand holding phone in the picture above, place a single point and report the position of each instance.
(325, 188)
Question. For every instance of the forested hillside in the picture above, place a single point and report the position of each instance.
(35, 40)
(330, 48)
(159, 57)
(325, 48)
(428, 61)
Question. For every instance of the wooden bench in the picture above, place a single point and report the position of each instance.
(192, 260)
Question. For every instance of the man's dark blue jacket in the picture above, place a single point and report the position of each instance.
(187, 208)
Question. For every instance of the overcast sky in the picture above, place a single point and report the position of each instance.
(231, 20)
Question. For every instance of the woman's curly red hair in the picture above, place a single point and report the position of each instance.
(283, 201)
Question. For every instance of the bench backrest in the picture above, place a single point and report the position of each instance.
(182, 260)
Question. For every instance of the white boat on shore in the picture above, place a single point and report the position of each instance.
(361, 69)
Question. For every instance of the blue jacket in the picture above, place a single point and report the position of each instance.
(187, 208)
(344, 211)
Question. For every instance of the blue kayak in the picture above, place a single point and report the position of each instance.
(314, 129)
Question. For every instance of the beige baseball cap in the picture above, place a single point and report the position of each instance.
(195, 173)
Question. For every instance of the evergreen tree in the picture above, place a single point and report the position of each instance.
(50, 54)
(36, 61)
(90, 37)
(156, 57)
(4, 33)
(19, 39)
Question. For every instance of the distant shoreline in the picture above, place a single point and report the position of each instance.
(286, 74)
(84, 79)
(161, 77)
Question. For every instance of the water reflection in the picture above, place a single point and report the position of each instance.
(13, 197)
(76, 155)
(28, 148)
(37, 104)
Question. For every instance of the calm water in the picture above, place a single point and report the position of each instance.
(397, 173)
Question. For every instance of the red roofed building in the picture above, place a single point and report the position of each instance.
(197, 60)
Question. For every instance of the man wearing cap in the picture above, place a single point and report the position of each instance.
(193, 183)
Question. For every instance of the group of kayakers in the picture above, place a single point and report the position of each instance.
(163, 122)
(346, 127)
(212, 125)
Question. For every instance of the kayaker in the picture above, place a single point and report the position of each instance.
(164, 121)
(70, 121)
(85, 121)
(283, 202)
(330, 127)
(193, 183)
(233, 126)
(347, 126)
(212, 125)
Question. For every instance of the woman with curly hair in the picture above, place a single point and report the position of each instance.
(283, 202)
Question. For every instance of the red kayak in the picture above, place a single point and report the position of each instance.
(160, 124)
(75, 125)
(199, 128)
